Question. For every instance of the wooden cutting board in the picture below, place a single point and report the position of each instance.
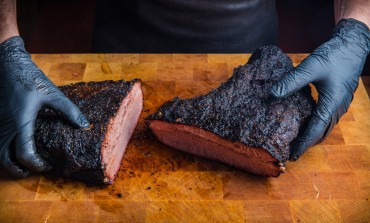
(330, 183)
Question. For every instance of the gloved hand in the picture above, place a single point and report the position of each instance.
(24, 90)
(334, 69)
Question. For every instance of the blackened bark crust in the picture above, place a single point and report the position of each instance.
(241, 109)
(73, 152)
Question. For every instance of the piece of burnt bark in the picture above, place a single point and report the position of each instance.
(238, 123)
(91, 155)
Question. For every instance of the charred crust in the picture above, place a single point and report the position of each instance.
(242, 110)
(76, 153)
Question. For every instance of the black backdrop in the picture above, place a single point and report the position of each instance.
(56, 26)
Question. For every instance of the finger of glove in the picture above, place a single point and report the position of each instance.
(71, 112)
(294, 81)
(334, 108)
(11, 168)
(312, 135)
(26, 150)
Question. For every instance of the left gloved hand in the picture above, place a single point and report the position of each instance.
(334, 69)
(24, 90)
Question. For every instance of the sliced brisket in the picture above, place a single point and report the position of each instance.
(238, 123)
(92, 155)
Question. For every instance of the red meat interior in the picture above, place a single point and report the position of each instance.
(203, 143)
(119, 131)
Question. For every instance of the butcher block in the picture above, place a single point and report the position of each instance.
(155, 183)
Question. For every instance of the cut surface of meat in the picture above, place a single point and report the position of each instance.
(239, 117)
(91, 155)
(206, 144)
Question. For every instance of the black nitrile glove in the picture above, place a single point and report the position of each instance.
(334, 68)
(24, 90)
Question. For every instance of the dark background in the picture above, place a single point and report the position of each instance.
(56, 26)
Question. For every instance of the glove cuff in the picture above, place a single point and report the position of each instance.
(13, 49)
(353, 31)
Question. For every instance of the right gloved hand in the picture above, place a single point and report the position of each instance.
(24, 90)
(334, 68)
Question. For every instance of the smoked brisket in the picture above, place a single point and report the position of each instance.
(91, 155)
(239, 123)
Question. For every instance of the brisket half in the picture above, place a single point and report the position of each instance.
(91, 155)
(238, 123)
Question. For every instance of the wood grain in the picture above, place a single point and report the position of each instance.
(330, 183)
